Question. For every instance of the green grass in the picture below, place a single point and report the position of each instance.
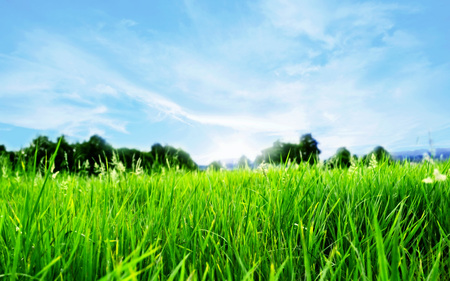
(287, 223)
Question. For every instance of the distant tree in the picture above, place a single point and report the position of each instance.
(272, 154)
(129, 156)
(280, 153)
(290, 153)
(185, 160)
(381, 155)
(82, 157)
(43, 148)
(64, 157)
(258, 160)
(99, 148)
(215, 166)
(158, 155)
(309, 151)
(170, 157)
(95, 150)
(243, 162)
(342, 159)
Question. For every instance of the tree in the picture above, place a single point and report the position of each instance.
(95, 150)
(64, 157)
(342, 159)
(258, 160)
(215, 166)
(185, 160)
(158, 155)
(280, 153)
(171, 156)
(45, 149)
(381, 155)
(129, 157)
(309, 152)
(243, 162)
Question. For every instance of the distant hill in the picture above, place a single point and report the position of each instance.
(417, 155)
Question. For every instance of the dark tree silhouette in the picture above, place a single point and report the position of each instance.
(381, 155)
(308, 149)
(95, 150)
(170, 156)
(129, 157)
(82, 157)
(185, 160)
(280, 153)
(64, 157)
(43, 148)
(342, 159)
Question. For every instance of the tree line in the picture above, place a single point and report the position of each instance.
(85, 157)
(307, 151)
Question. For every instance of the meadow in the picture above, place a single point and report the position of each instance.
(291, 222)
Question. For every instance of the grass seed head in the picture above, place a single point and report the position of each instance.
(438, 176)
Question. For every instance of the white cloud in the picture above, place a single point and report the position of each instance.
(53, 70)
(278, 124)
(42, 115)
(338, 70)
(334, 23)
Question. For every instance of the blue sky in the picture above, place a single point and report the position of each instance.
(224, 78)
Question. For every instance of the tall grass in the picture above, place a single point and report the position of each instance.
(289, 223)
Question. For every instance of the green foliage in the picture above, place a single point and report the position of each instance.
(215, 166)
(169, 156)
(243, 163)
(342, 159)
(280, 153)
(308, 148)
(380, 154)
(84, 157)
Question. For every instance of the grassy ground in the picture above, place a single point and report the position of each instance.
(291, 223)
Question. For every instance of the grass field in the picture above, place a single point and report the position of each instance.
(298, 222)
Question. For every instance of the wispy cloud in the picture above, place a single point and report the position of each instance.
(341, 70)
(52, 84)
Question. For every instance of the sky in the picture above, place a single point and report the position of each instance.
(220, 79)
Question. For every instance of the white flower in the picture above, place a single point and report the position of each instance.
(114, 175)
(427, 180)
(139, 169)
(353, 168)
(373, 162)
(263, 167)
(438, 176)
(4, 172)
(120, 167)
